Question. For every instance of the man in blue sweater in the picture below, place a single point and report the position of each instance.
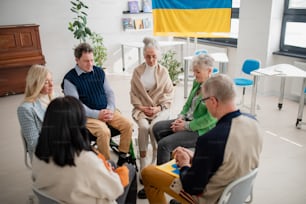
(89, 84)
(228, 151)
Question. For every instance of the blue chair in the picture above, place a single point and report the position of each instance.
(248, 66)
(215, 70)
(200, 51)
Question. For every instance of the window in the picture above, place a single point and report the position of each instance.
(293, 40)
(232, 40)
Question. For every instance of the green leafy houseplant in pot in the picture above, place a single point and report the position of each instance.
(173, 65)
(83, 33)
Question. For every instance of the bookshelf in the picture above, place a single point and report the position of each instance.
(141, 21)
(138, 16)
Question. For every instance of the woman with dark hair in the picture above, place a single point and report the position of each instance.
(65, 166)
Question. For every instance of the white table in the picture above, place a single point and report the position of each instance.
(220, 57)
(140, 45)
(284, 71)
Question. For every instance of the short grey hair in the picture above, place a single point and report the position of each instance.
(220, 86)
(150, 43)
(203, 61)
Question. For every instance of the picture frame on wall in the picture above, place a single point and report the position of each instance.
(133, 6)
(147, 6)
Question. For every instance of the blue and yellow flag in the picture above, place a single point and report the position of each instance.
(191, 18)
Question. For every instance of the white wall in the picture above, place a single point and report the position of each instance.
(104, 16)
(259, 33)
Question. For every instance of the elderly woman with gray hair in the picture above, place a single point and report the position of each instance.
(193, 121)
(151, 96)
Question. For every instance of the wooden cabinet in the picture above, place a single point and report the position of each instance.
(19, 49)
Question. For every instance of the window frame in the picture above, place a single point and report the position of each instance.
(291, 15)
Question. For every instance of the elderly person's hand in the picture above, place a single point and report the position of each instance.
(178, 125)
(182, 156)
(106, 115)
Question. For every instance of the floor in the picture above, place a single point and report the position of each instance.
(280, 179)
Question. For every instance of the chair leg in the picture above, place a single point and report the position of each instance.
(250, 198)
(31, 199)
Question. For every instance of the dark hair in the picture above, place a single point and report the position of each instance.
(83, 47)
(63, 133)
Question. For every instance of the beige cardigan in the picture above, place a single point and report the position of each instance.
(161, 94)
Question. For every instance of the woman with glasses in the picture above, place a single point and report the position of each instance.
(151, 96)
(38, 94)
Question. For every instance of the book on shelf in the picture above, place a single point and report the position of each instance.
(147, 6)
(133, 6)
(138, 24)
(128, 23)
(170, 168)
(147, 23)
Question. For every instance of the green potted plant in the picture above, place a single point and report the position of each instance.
(173, 65)
(100, 51)
(83, 33)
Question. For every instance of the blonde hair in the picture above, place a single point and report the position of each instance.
(35, 81)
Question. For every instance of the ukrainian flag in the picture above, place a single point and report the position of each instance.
(191, 18)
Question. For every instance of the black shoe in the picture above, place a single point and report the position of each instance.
(173, 201)
(142, 194)
(123, 158)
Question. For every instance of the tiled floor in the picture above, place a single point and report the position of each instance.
(280, 179)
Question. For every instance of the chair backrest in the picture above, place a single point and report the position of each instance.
(27, 158)
(238, 191)
(250, 65)
(44, 198)
(201, 51)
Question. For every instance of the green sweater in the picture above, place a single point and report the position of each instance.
(202, 121)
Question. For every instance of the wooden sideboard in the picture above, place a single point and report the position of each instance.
(19, 49)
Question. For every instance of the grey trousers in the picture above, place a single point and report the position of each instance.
(167, 140)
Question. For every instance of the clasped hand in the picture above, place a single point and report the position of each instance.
(178, 125)
(149, 110)
(182, 156)
(106, 115)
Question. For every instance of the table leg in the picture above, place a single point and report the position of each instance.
(254, 94)
(222, 66)
(185, 78)
(282, 91)
(139, 55)
(301, 105)
(122, 55)
(182, 54)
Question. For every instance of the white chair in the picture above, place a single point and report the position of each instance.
(44, 198)
(27, 162)
(239, 190)
(27, 158)
(299, 122)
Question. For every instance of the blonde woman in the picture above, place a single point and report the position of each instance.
(151, 96)
(38, 94)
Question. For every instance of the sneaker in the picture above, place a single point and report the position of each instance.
(142, 194)
(173, 201)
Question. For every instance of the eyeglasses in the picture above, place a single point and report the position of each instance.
(205, 99)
